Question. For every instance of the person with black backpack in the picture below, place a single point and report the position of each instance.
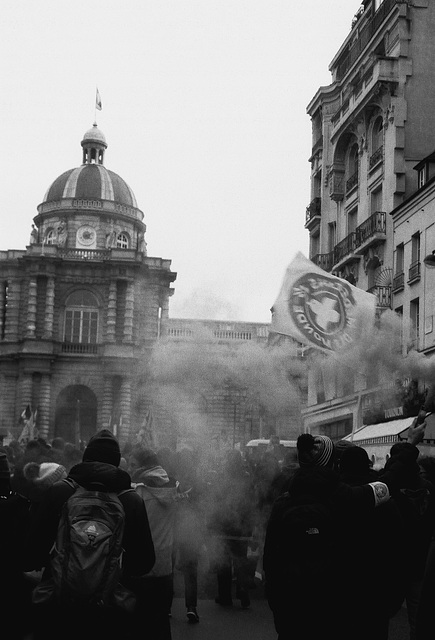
(92, 536)
(306, 537)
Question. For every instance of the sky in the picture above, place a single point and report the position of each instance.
(204, 112)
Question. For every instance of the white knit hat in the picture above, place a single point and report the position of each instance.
(44, 474)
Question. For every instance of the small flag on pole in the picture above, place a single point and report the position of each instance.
(319, 309)
(98, 103)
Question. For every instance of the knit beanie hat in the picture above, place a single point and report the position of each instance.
(355, 461)
(103, 447)
(315, 451)
(5, 472)
(45, 474)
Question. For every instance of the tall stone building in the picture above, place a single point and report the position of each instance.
(370, 128)
(81, 307)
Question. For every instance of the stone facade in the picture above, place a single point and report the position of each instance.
(370, 126)
(81, 308)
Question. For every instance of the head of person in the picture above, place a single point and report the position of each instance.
(42, 476)
(355, 462)
(103, 447)
(142, 458)
(315, 451)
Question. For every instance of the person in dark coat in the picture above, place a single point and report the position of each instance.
(15, 588)
(416, 501)
(305, 606)
(377, 538)
(99, 469)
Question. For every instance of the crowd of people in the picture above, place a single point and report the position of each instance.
(317, 528)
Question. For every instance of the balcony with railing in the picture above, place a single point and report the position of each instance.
(414, 272)
(95, 255)
(398, 281)
(376, 158)
(313, 213)
(324, 260)
(371, 231)
(383, 296)
(365, 33)
(352, 182)
(345, 249)
(79, 348)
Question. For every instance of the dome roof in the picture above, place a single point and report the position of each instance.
(91, 181)
(94, 135)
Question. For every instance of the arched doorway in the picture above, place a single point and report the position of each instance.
(76, 414)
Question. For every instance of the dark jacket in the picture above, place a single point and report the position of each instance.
(138, 557)
(292, 605)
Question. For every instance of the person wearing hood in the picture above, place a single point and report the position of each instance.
(304, 576)
(99, 469)
(158, 492)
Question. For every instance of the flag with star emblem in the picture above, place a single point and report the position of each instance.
(319, 309)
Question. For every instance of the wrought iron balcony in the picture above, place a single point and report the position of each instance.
(344, 248)
(324, 260)
(414, 270)
(313, 211)
(78, 348)
(371, 228)
(383, 295)
(399, 281)
(352, 182)
(366, 32)
(376, 157)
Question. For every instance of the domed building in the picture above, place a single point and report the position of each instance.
(81, 307)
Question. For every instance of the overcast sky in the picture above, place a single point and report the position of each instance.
(204, 112)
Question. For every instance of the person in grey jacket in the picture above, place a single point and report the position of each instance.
(155, 589)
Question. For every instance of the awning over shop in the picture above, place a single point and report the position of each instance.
(381, 432)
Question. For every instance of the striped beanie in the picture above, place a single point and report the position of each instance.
(315, 451)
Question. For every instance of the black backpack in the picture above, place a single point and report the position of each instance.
(87, 555)
(306, 544)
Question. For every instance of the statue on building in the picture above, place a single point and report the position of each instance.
(110, 239)
(34, 235)
(141, 244)
(61, 234)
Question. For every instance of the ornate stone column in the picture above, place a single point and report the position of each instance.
(49, 309)
(31, 308)
(125, 406)
(107, 404)
(44, 406)
(2, 306)
(13, 310)
(129, 310)
(111, 313)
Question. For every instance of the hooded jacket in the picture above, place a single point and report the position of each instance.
(158, 493)
(138, 557)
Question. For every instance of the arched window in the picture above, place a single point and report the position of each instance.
(50, 237)
(122, 241)
(81, 318)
